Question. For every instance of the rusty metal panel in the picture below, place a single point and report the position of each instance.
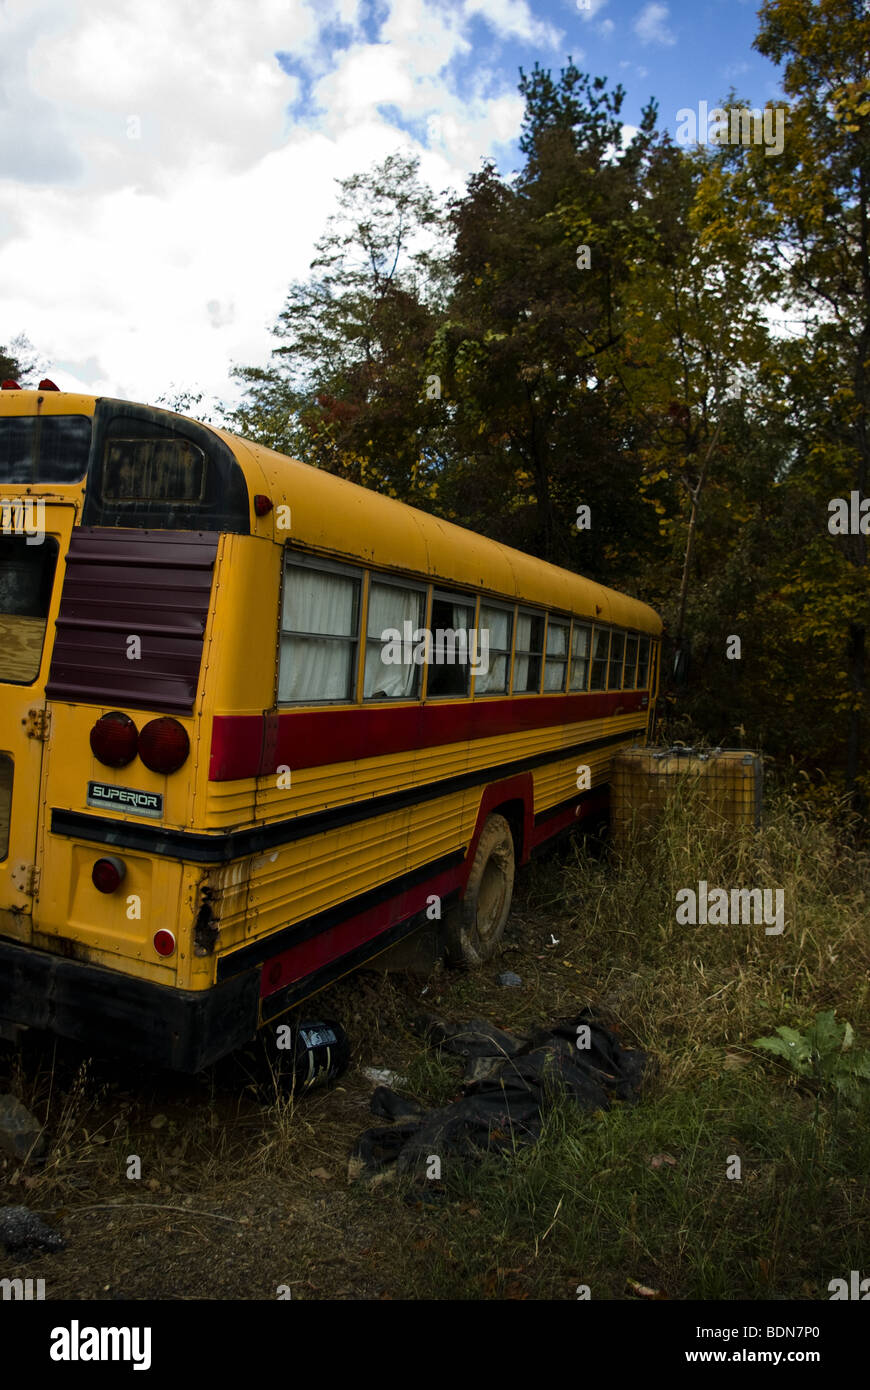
(154, 585)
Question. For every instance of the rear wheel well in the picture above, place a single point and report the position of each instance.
(514, 814)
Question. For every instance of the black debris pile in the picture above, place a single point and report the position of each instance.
(509, 1083)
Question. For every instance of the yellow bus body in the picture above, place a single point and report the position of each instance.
(272, 884)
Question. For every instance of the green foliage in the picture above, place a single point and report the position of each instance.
(19, 361)
(823, 1054)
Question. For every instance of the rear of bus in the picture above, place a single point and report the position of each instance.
(113, 522)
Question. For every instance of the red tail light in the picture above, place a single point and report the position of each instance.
(114, 739)
(9, 385)
(107, 873)
(164, 745)
(164, 942)
(48, 385)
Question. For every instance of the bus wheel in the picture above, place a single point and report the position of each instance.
(474, 927)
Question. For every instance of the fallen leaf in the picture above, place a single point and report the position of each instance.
(643, 1290)
(658, 1160)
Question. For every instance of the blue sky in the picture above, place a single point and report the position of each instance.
(165, 169)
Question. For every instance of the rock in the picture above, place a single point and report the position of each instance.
(23, 1232)
(21, 1134)
(509, 980)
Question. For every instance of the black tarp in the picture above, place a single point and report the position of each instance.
(510, 1083)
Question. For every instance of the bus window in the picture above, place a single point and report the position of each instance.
(319, 634)
(600, 647)
(556, 663)
(26, 581)
(395, 614)
(642, 663)
(44, 448)
(452, 621)
(617, 649)
(498, 623)
(530, 649)
(153, 470)
(630, 661)
(581, 641)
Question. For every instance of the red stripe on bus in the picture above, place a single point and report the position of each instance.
(325, 948)
(254, 745)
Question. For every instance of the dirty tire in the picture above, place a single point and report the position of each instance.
(474, 927)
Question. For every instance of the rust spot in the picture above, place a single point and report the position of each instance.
(206, 929)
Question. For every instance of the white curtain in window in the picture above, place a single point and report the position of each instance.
(313, 668)
(521, 663)
(497, 624)
(390, 607)
(557, 652)
(316, 602)
(580, 657)
(557, 640)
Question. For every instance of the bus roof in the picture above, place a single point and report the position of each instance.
(335, 517)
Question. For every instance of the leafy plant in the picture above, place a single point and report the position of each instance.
(823, 1054)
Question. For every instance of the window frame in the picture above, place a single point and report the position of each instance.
(500, 606)
(525, 612)
(470, 600)
(302, 560)
(589, 626)
(603, 628)
(410, 586)
(563, 621)
(645, 637)
(635, 638)
(620, 633)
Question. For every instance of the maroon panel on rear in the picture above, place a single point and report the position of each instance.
(154, 585)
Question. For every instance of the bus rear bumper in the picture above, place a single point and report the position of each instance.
(184, 1030)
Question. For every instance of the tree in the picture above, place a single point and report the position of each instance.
(19, 361)
(347, 389)
(813, 204)
(539, 264)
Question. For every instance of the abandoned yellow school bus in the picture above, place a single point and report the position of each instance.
(257, 724)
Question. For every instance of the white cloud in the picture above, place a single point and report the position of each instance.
(651, 25)
(513, 19)
(133, 263)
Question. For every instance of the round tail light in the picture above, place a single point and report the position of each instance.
(164, 745)
(107, 873)
(164, 942)
(114, 739)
